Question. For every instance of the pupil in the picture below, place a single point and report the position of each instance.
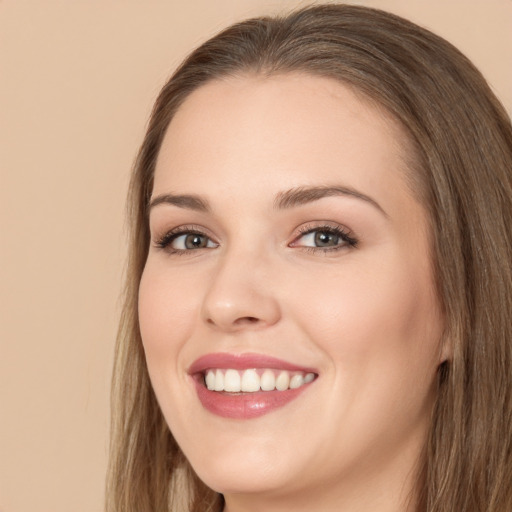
(323, 239)
(195, 241)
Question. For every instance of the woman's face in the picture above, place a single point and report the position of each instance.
(288, 251)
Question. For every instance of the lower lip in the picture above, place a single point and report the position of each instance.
(244, 405)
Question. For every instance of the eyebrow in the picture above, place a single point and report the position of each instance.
(190, 202)
(284, 200)
(302, 195)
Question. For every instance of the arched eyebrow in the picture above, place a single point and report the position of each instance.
(284, 200)
(188, 201)
(303, 195)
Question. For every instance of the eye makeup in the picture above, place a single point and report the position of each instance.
(311, 237)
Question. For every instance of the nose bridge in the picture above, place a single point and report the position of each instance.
(240, 294)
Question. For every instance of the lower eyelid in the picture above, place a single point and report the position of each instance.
(325, 250)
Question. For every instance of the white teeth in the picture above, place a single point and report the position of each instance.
(232, 381)
(219, 380)
(309, 377)
(283, 381)
(253, 380)
(250, 381)
(296, 381)
(268, 381)
(210, 380)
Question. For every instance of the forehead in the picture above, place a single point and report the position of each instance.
(291, 127)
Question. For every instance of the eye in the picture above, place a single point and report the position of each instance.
(191, 241)
(184, 239)
(321, 239)
(325, 238)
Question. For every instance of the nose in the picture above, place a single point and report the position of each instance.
(241, 295)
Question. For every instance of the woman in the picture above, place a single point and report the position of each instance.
(319, 291)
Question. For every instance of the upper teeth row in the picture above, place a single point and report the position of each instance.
(250, 381)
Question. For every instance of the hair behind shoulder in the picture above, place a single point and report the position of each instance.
(461, 171)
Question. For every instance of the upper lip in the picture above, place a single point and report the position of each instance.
(243, 362)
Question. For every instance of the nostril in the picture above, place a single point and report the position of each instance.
(246, 320)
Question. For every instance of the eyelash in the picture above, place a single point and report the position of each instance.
(346, 236)
(349, 240)
(166, 240)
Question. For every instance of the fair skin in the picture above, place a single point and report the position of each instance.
(337, 281)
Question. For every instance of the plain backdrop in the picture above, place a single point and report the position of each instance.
(77, 81)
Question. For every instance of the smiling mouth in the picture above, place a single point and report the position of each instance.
(253, 380)
(246, 386)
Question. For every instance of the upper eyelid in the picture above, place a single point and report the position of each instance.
(318, 225)
(309, 227)
(298, 232)
(183, 229)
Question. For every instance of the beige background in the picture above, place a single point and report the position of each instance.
(77, 80)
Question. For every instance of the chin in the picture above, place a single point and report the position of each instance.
(241, 477)
(235, 467)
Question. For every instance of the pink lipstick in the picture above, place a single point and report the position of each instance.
(244, 386)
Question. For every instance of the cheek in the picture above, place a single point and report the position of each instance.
(381, 321)
(166, 313)
(167, 316)
(380, 332)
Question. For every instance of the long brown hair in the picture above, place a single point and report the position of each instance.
(461, 171)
